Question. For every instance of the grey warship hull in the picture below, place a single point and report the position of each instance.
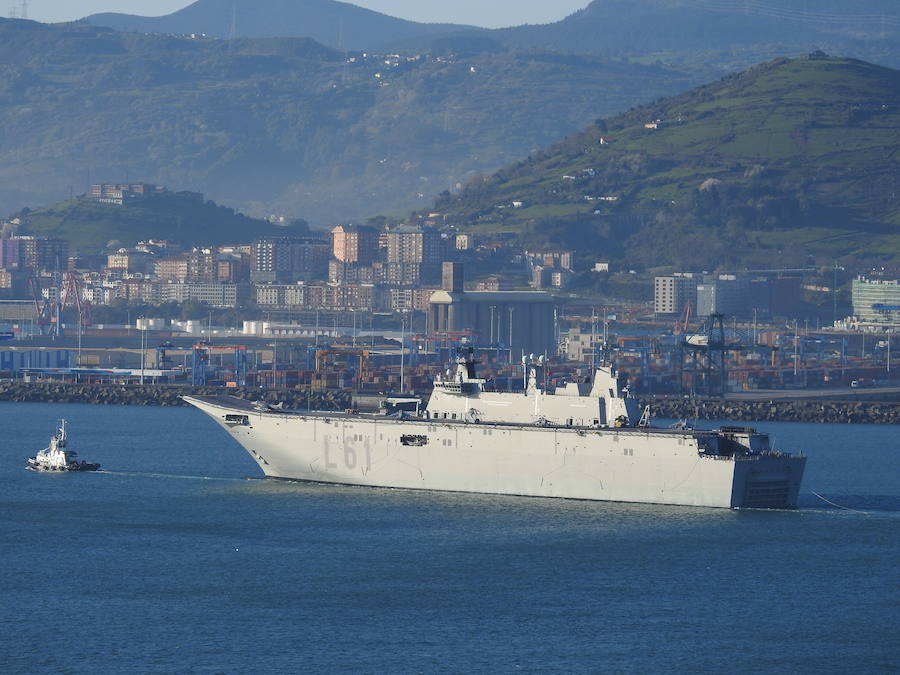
(725, 468)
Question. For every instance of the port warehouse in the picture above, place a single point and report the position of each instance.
(651, 363)
(229, 365)
(787, 358)
(776, 359)
(15, 360)
(32, 364)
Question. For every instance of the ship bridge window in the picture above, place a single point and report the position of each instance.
(242, 420)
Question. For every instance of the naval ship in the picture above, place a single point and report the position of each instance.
(585, 440)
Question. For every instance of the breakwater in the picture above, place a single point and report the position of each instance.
(798, 410)
(162, 395)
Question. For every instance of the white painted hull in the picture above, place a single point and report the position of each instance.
(627, 465)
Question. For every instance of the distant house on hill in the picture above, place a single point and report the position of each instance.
(557, 259)
(121, 194)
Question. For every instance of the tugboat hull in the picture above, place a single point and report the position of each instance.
(56, 458)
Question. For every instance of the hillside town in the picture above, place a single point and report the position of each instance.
(349, 268)
(699, 332)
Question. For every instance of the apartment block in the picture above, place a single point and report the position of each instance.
(354, 244)
(876, 300)
(672, 293)
(34, 253)
(287, 259)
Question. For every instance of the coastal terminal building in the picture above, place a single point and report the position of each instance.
(671, 293)
(876, 303)
(740, 295)
(523, 321)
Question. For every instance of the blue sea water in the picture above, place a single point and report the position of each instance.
(172, 561)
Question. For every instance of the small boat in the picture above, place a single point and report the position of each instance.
(56, 456)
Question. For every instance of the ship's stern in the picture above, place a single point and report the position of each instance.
(769, 481)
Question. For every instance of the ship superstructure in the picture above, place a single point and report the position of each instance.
(460, 394)
(584, 440)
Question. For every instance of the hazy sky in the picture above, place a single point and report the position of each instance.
(490, 13)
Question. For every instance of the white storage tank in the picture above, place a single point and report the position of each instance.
(145, 323)
(194, 327)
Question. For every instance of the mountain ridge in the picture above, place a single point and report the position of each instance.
(667, 28)
(339, 25)
(283, 126)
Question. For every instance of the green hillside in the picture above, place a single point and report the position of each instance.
(656, 25)
(90, 227)
(787, 163)
(283, 126)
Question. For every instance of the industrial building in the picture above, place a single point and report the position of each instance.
(520, 320)
(357, 244)
(728, 295)
(671, 293)
(876, 301)
(33, 253)
(288, 259)
(739, 295)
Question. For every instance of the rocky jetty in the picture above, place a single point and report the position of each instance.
(799, 410)
(162, 395)
(796, 410)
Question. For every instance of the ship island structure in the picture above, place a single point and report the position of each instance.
(583, 440)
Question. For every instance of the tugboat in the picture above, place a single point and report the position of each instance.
(55, 457)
